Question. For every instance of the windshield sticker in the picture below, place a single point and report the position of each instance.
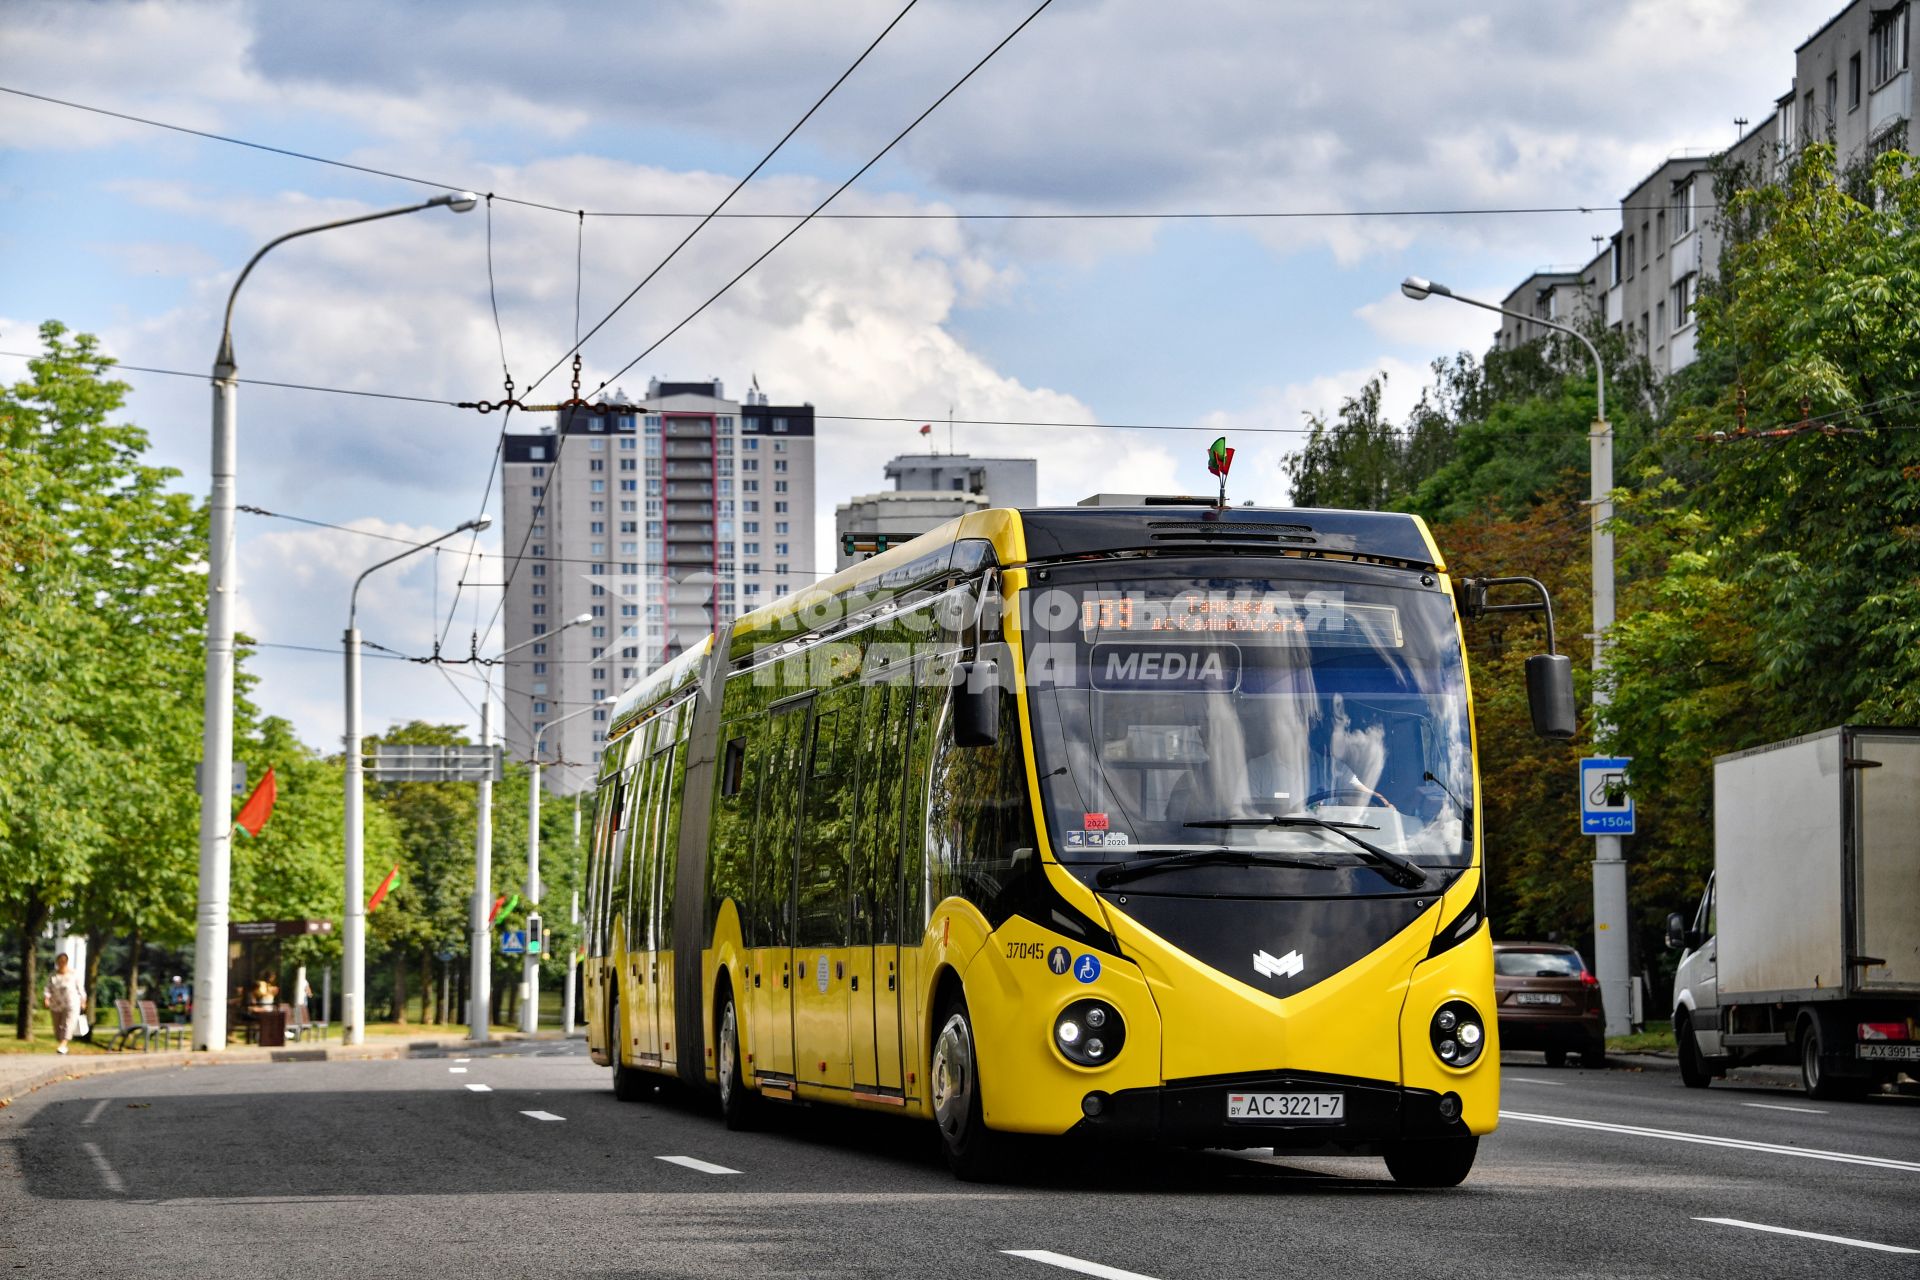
(1165, 668)
(1094, 822)
(1095, 839)
(1077, 839)
(1117, 840)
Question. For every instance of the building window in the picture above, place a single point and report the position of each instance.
(596, 445)
(1613, 259)
(540, 648)
(750, 444)
(779, 464)
(1833, 98)
(1660, 318)
(597, 526)
(539, 491)
(597, 486)
(599, 714)
(539, 668)
(598, 506)
(597, 464)
(626, 464)
(539, 451)
(1683, 208)
(779, 508)
(539, 611)
(539, 571)
(633, 486)
(780, 549)
(539, 548)
(779, 486)
(599, 548)
(599, 633)
(1784, 134)
(1660, 233)
(539, 588)
(627, 443)
(1682, 298)
(539, 708)
(750, 548)
(780, 526)
(1631, 267)
(1853, 83)
(539, 472)
(1889, 43)
(780, 446)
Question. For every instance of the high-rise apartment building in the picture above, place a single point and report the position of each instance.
(1852, 87)
(661, 520)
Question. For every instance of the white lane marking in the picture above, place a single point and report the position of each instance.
(1738, 1144)
(542, 1115)
(703, 1166)
(1808, 1235)
(463, 1059)
(107, 1174)
(1775, 1106)
(481, 1088)
(1551, 1084)
(94, 1114)
(458, 1071)
(1081, 1265)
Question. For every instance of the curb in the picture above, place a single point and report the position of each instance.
(18, 1085)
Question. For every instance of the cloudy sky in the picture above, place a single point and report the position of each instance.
(1108, 106)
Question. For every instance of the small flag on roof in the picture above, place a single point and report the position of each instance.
(1219, 458)
(926, 429)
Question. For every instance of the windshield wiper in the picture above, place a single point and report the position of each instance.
(1407, 875)
(1122, 871)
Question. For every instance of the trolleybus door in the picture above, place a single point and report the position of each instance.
(772, 999)
(821, 943)
(648, 813)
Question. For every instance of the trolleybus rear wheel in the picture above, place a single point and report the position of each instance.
(1435, 1162)
(628, 1084)
(973, 1150)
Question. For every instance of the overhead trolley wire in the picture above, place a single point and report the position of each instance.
(1168, 215)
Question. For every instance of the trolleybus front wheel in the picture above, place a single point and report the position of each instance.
(973, 1151)
(737, 1103)
(1433, 1162)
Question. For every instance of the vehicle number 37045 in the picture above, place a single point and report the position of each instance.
(1286, 1106)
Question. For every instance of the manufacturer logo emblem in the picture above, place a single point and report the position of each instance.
(1289, 965)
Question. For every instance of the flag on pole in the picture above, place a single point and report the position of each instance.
(503, 902)
(926, 429)
(1219, 458)
(373, 903)
(254, 813)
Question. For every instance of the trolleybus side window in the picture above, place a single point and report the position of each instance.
(620, 857)
(826, 824)
(676, 767)
(773, 841)
(977, 817)
(885, 712)
(927, 693)
(598, 870)
(733, 816)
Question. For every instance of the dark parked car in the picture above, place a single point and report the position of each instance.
(1548, 999)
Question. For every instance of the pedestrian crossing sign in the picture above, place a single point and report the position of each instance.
(513, 942)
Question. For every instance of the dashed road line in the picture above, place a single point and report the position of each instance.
(689, 1162)
(1808, 1235)
(1081, 1265)
(542, 1115)
(458, 1071)
(1551, 1084)
(1775, 1106)
(94, 1114)
(481, 1088)
(1709, 1140)
(107, 1172)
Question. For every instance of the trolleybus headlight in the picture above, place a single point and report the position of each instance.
(1071, 1033)
(1457, 1033)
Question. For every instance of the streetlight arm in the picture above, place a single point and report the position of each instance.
(579, 711)
(353, 599)
(1599, 370)
(223, 363)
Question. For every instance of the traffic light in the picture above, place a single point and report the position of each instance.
(536, 935)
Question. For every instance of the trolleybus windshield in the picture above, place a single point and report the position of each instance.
(1170, 708)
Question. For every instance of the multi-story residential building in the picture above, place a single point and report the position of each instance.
(930, 489)
(660, 520)
(1852, 86)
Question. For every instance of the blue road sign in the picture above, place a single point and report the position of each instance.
(513, 942)
(1606, 803)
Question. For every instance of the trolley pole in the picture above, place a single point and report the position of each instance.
(480, 981)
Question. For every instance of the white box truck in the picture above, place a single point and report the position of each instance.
(1805, 946)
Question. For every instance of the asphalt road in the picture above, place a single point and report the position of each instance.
(520, 1162)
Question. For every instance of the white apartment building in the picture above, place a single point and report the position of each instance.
(660, 520)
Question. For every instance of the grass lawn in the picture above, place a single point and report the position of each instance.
(1657, 1038)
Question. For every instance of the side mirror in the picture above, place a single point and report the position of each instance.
(976, 703)
(1677, 931)
(1550, 695)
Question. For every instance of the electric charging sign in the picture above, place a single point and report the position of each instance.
(1606, 801)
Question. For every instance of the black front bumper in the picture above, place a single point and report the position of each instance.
(1193, 1113)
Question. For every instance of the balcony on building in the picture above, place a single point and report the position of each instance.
(702, 470)
(690, 511)
(1891, 103)
(689, 489)
(689, 428)
(699, 446)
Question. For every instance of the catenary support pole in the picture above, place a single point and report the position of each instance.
(353, 977)
(480, 983)
(216, 747)
(530, 966)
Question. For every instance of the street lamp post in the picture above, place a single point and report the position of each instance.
(480, 939)
(530, 972)
(353, 984)
(216, 752)
(1609, 867)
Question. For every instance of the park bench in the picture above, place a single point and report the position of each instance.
(165, 1032)
(301, 1026)
(130, 1027)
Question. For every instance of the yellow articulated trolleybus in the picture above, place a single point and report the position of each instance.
(1152, 822)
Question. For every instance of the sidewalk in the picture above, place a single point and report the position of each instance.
(21, 1074)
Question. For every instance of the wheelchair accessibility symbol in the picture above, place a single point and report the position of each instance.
(1087, 968)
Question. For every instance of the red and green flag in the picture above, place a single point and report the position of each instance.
(503, 902)
(379, 895)
(253, 815)
(1219, 458)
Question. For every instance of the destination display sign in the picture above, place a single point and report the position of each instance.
(1316, 618)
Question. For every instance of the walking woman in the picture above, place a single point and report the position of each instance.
(66, 998)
